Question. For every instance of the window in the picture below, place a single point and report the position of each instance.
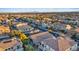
(11, 47)
(40, 49)
(33, 44)
(6, 49)
(43, 45)
(14, 50)
(70, 48)
(78, 44)
(36, 45)
(40, 43)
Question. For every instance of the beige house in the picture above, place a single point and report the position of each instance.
(23, 27)
(47, 42)
(4, 29)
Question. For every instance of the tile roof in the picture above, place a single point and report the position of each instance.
(77, 30)
(4, 29)
(58, 44)
(41, 36)
(65, 43)
(8, 43)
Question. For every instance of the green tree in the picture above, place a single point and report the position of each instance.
(29, 48)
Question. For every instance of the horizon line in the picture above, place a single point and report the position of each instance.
(17, 10)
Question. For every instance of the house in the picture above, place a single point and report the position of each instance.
(77, 30)
(34, 31)
(11, 44)
(66, 44)
(4, 32)
(43, 26)
(4, 29)
(58, 26)
(68, 27)
(4, 37)
(24, 27)
(48, 42)
(27, 29)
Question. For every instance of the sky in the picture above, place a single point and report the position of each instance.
(38, 9)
